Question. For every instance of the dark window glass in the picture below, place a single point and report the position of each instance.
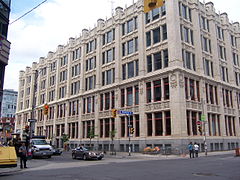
(149, 93)
(156, 35)
(157, 90)
(148, 38)
(149, 63)
(157, 61)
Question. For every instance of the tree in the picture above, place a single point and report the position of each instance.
(91, 135)
(112, 136)
(65, 139)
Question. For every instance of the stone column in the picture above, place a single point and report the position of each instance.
(164, 123)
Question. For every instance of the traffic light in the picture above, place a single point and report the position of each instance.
(200, 129)
(26, 129)
(152, 4)
(131, 130)
(45, 109)
(114, 113)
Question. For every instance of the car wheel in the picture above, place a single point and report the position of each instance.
(84, 157)
(100, 158)
(49, 156)
(74, 156)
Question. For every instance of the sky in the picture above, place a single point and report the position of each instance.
(55, 21)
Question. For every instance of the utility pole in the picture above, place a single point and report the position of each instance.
(32, 120)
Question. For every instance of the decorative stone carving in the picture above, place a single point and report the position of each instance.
(181, 80)
(173, 80)
(148, 107)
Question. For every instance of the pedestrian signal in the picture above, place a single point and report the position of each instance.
(114, 113)
(152, 4)
(200, 129)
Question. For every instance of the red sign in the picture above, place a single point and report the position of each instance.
(199, 123)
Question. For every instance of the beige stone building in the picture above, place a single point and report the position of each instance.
(169, 67)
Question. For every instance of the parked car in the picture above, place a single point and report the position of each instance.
(85, 154)
(56, 151)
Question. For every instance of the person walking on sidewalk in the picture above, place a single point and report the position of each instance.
(191, 150)
(196, 149)
(23, 156)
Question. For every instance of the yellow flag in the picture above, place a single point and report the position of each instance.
(152, 4)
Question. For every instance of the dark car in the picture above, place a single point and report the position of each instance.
(57, 151)
(85, 154)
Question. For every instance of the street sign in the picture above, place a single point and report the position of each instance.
(203, 117)
(125, 112)
(32, 120)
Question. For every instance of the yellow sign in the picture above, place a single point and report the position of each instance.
(152, 4)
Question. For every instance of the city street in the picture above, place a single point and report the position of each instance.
(214, 167)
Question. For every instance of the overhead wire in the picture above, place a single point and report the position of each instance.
(28, 12)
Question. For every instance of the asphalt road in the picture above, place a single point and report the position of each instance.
(220, 167)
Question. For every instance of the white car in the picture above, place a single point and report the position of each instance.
(40, 148)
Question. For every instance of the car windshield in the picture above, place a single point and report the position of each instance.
(39, 142)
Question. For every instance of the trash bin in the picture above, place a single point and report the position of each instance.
(237, 151)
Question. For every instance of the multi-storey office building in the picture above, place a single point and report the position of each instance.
(4, 43)
(9, 103)
(169, 66)
(7, 118)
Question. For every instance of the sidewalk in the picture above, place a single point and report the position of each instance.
(122, 155)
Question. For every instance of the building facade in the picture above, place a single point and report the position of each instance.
(7, 118)
(171, 67)
(9, 103)
(4, 43)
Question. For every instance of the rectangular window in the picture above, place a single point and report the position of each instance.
(129, 96)
(122, 126)
(136, 95)
(149, 124)
(130, 47)
(166, 89)
(157, 90)
(157, 61)
(156, 35)
(107, 101)
(113, 99)
(123, 71)
(164, 32)
(158, 124)
(101, 102)
(131, 69)
(149, 92)
(122, 97)
(148, 38)
(149, 63)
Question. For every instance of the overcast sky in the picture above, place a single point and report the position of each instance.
(55, 21)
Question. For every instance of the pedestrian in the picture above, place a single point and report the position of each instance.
(196, 149)
(23, 156)
(191, 150)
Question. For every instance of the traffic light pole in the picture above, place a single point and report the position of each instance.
(129, 136)
(204, 126)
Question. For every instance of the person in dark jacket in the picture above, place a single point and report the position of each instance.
(191, 150)
(23, 156)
